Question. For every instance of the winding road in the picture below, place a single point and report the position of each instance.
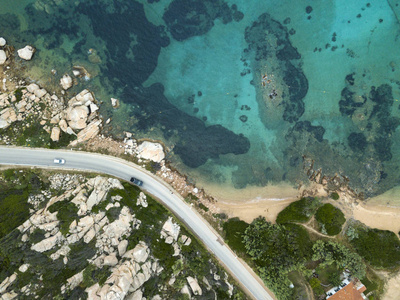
(124, 170)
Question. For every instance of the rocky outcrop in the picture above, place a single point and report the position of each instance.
(7, 116)
(66, 82)
(91, 130)
(48, 243)
(26, 53)
(151, 151)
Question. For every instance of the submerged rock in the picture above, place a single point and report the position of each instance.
(26, 53)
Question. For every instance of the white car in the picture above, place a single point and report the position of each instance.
(59, 161)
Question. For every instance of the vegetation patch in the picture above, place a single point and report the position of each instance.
(334, 196)
(300, 211)
(277, 250)
(330, 219)
(234, 230)
(330, 252)
(381, 248)
(67, 212)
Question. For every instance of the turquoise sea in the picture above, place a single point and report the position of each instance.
(239, 91)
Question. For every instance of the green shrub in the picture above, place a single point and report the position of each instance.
(37, 235)
(381, 248)
(299, 211)
(332, 253)
(203, 207)
(330, 218)
(234, 229)
(277, 250)
(14, 209)
(67, 212)
(334, 196)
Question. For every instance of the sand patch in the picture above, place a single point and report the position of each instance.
(381, 217)
(392, 288)
(248, 211)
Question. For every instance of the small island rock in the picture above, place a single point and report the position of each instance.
(26, 52)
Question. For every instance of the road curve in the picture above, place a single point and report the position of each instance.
(152, 184)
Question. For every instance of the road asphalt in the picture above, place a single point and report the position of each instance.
(125, 170)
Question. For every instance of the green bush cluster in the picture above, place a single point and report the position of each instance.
(330, 252)
(277, 250)
(67, 212)
(330, 218)
(335, 196)
(234, 230)
(300, 211)
(381, 248)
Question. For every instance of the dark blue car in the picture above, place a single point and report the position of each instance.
(136, 181)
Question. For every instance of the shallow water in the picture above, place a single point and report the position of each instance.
(240, 90)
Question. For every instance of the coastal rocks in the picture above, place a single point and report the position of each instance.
(26, 53)
(114, 103)
(194, 285)
(32, 88)
(77, 116)
(151, 151)
(170, 229)
(3, 57)
(66, 82)
(2, 42)
(55, 134)
(92, 130)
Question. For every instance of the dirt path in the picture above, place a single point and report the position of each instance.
(309, 228)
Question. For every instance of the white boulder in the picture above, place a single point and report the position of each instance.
(26, 53)
(194, 285)
(114, 102)
(2, 42)
(3, 57)
(77, 116)
(122, 247)
(152, 151)
(170, 229)
(110, 260)
(66, 82)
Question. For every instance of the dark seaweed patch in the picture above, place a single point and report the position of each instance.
(188, 18)
(357, 142)
(316, 131)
